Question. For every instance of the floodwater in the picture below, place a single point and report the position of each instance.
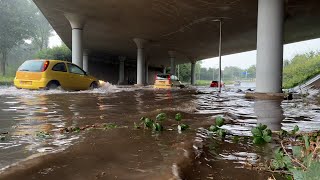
(128, 153)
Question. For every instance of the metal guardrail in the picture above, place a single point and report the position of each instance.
(307, 84)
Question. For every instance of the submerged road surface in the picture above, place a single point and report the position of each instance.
(35, 145)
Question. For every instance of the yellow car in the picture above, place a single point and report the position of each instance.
(51, 74)
(166, 81)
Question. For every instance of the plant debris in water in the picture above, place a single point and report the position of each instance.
(261, 134)
(298, 155)
(156, 125)
(110, 126)
(216, 129)
(43, 134)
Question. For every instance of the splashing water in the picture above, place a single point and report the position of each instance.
(104, 89)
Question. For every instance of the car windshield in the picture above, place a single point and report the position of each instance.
(162, 77)
(31, 66)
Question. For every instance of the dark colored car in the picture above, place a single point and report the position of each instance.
(216, 84)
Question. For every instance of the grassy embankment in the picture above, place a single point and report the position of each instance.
(6, 80)
(300, 69)
(208, 82)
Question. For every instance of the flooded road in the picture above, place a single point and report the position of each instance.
(33, 146)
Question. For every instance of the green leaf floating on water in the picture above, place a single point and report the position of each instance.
(161, 117)
(222, 133)
(148, 123)
(256, 132)
(178, 117)
(235, 138)
(267, 132)
(213, 128)
(136, 126)
(157, 127)
(43, 134)
(142, 119)
(110, 126)
(183, 127)
(295, 130)
(219, 121)
(261, 134)
(283, 133)
(258, 140)
(77, 129)
(262, 127)
(267, 139)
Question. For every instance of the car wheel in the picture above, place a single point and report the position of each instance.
(53, 85)
(93, 85)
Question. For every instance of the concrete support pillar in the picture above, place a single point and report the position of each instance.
(147, 73)
(77, 23)
(164, 70)
(121, 69)
(86, 60)
(140, 60)
(270, 46)
(173, 62)
(193, 73)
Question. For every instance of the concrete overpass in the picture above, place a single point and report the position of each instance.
(162, 33)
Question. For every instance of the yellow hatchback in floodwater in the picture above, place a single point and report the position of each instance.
(167, 81)
(51, 74)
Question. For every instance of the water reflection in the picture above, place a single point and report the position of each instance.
(270, 113)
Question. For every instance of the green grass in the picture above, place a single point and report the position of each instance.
(6, 80)
(203, 82)
(208, 82)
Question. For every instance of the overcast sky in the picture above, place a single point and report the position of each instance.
(245, 59)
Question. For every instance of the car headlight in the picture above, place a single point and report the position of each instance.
(101, 82)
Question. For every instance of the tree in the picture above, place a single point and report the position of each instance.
(59, 53)
(232, 72)
(286, 63)
(185, 72)
(41, 31)
(16, 22)
(252, 71)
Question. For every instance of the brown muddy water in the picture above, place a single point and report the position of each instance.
(126, 153)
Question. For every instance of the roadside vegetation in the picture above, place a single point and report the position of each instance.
(296, 154)
(204, 75)
(23, 32)
(57, 53)
(24, 35)
(6, 80)
(300, 69)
